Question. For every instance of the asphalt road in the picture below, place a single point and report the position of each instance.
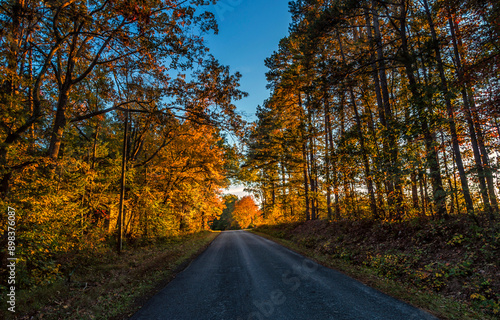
(242, 276)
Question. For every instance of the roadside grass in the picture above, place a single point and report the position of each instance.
(317, 240)
(111, 286)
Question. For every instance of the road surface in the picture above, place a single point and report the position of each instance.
(242, 276)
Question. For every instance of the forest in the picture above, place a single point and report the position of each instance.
(114, 119)
(118, 126)
(381, 110)
(378, 147)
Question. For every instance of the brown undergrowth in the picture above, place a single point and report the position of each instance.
(454, 259)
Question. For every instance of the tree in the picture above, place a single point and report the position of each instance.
(67, 43)
(360, 92)
(246, 213)
(225, 220)
(85, 84)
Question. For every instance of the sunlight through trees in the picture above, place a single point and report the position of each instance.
(381, 110)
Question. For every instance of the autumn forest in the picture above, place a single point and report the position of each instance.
(118, 126)
(381, 110)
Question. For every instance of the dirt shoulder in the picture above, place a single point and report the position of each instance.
(450, 268)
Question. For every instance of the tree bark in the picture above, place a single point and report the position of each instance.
(328, 154)
(432, 160)
(121, 212)
(59, 125)
(450, 111)
(364, 156)
(393, 185)
(447, 174)
(305, 165)
(477, 140)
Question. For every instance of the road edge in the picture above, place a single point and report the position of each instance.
(139, 302)
(363, 275)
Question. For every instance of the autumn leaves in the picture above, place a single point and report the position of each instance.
(371, 114)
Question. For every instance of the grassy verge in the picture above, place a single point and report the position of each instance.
(111, 286)
(384, 258)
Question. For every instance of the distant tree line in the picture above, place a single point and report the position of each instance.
(239, 213)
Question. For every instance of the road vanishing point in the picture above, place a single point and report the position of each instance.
(242, 276)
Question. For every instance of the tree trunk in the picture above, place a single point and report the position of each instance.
(366, 163)
(383, 103)
(306, 181)
(470, 122)
(60, 122)
(414, 190)
(328, 151)
(439, 194)
(447, 174)
(423, 195)
(488, 171)
(305, 166)
(311, 166)
(477, 141)
(121, 211)
(450, 111)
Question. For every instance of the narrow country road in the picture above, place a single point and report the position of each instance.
(242, 276)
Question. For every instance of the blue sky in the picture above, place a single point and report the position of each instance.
(249, 32)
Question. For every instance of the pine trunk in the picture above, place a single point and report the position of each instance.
(439, 195)
(450, 111)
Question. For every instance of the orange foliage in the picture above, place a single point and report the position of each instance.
(246, 213)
